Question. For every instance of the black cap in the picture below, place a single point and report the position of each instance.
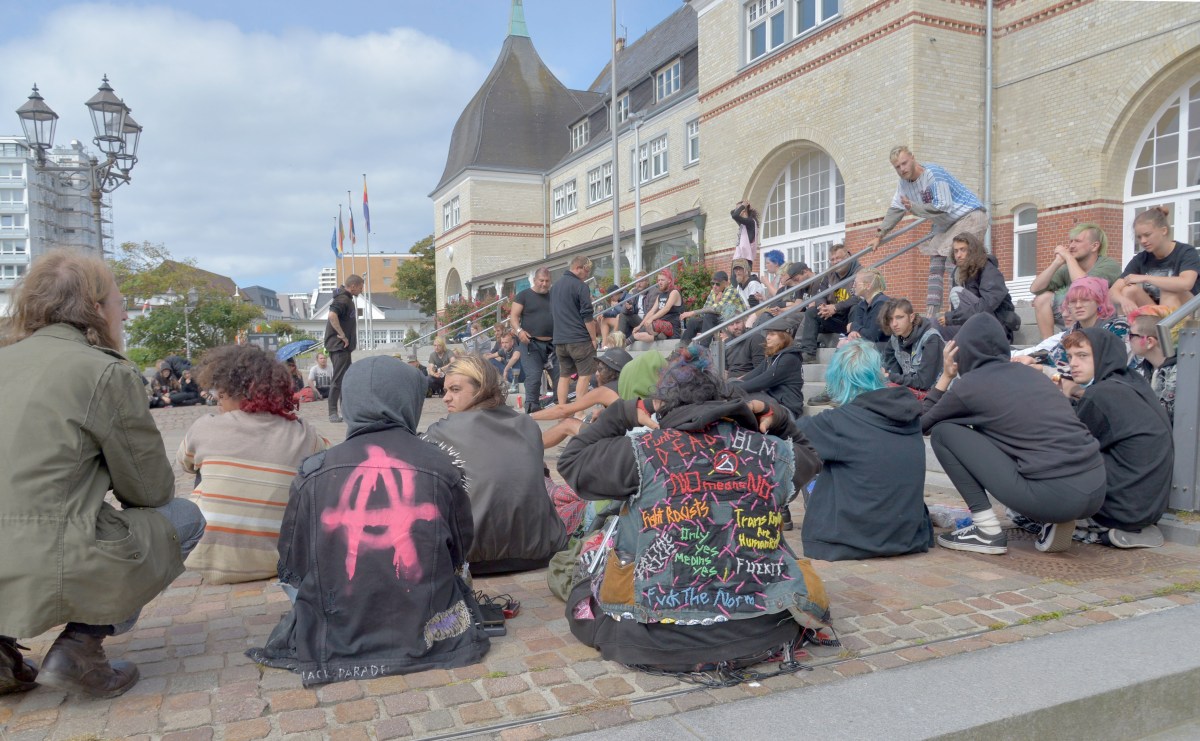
(797, 268)
(615, 358)
(720, 275)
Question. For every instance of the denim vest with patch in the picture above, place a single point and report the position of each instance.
(702, 541)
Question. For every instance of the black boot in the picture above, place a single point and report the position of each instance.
(787, 519)
(76, 663)
(17, 673)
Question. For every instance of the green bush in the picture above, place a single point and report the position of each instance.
(142, 357)
(694, 281)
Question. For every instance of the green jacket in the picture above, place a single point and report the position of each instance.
(75, 425)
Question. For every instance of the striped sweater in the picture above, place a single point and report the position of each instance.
(245, 465)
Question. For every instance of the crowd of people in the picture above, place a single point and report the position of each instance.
(679, 471)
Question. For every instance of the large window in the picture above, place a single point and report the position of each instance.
(1025, 243)
(450, 214)
(564, 200)
(12, 247)
(10, 172)
(805, 210)
(766, 26)
(12, 221)
(11, 272)
(623, 108)
(600, 183)
(1166, 168)
(12, 195)
(666, 81)
(692, 129)
(579, 134)
(770, 24)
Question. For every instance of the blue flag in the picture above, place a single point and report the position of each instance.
(333, 245)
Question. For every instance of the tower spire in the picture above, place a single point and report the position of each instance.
(516, 23)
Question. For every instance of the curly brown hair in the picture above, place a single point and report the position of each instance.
(62, 287)
(261, 383)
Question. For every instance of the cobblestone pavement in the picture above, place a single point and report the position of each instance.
(538, 682)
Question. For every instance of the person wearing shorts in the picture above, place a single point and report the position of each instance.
(574, 328)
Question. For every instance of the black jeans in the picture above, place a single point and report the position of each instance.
(533, 361)
(341, 361)
(697, 324)
(977, 466)
(814, 325)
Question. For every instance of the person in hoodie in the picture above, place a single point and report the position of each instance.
(865, 504)
(1004, 429)
(516, 527)
(912, 356)
(781, 373)
(374, 539)
(1134, 433)
(699, 572)
(1153, 363)
(979, 289)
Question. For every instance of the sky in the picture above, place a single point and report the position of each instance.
(260, 115)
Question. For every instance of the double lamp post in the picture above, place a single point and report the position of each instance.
(117, 137)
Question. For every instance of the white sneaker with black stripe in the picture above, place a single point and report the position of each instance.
(1055, 537)
(971, 538)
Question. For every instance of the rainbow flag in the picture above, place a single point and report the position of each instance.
(353, 239)
(366, 208)
(341, 234)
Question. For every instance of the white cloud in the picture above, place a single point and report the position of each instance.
(252, 140)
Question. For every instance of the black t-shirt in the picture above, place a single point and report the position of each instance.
(535, 313)
(347, 314)
(1182, 258)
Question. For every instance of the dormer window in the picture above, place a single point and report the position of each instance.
(623, 108)
(579, 134)
(666, 81)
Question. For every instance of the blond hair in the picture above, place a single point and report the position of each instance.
(483, 376)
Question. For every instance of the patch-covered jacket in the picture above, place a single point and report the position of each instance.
(373, 538)
(700, 539)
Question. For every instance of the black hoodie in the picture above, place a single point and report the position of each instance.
(989, 285)
(1017, 407)
(780, 376)
(1125, 416)
(867, 504)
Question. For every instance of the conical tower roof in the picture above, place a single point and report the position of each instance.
(519, 119)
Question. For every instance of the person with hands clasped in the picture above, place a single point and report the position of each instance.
(1084, 254)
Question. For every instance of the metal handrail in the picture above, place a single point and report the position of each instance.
(809, 281)
(600, 301)
(1168, 323)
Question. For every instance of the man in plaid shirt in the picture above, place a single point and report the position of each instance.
(723, 302)
(930, 192)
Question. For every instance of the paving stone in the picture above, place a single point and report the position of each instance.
(523, 733)
(355, 711)
(196, 734)
(393, 728)
(568, 725)
(339, 692)
(294, 721)
(434, 720)
(431, 678)
(405, 703)
(527, 704)
(478, 712)
(502, 686)
(292, 700)
(456, 695)
(573, 694)
(610, 717)
(612, 687)
(550, 677)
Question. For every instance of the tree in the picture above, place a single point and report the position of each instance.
(415, 277)
(145, 270)
(216, 320)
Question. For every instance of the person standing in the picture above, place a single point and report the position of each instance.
(746, 251)
(341, 337)
(79, 430)
(930, 192)
(574, 330)
(533, 324)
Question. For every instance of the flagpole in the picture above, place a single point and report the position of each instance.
(367, 237)
(354, 262)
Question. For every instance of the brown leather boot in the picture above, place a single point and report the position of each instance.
(76, 663)
(17, 673)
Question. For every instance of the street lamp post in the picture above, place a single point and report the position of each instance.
(190, 303)
(117, 137)
(636, 262)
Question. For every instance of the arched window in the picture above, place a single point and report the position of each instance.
(1166, 168)
(453, 286)
(806, 210)
(1024, 252)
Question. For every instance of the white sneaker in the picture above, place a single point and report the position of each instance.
(1148, 537)
(971, 538)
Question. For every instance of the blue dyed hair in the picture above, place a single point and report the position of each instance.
(856, 368)
(775, 256)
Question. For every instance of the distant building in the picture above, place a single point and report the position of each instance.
(327, 281)
(40, 211)
(266, 299)
(379, 270)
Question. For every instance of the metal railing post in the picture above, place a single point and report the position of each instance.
(718, 354)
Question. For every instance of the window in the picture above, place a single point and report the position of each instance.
(11, 272)
(564, 200)
(623, 108)
(12, 221)
(387, 262)
(450, 214)
(805, 210)
(12, 195)
(1166, 169)
(692, 130)
(812, 13)
(10, 172)
(387, 281)
(766, 27)
(666, 81)
(652, 160)
(11, 149)
(579, 134)
(600, 183)
(12, 247)
(1025, 243)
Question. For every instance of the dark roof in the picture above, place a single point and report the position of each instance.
(519, 119)
(220, 283)
(672, 37)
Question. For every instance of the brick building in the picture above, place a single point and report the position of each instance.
(1095, 115)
